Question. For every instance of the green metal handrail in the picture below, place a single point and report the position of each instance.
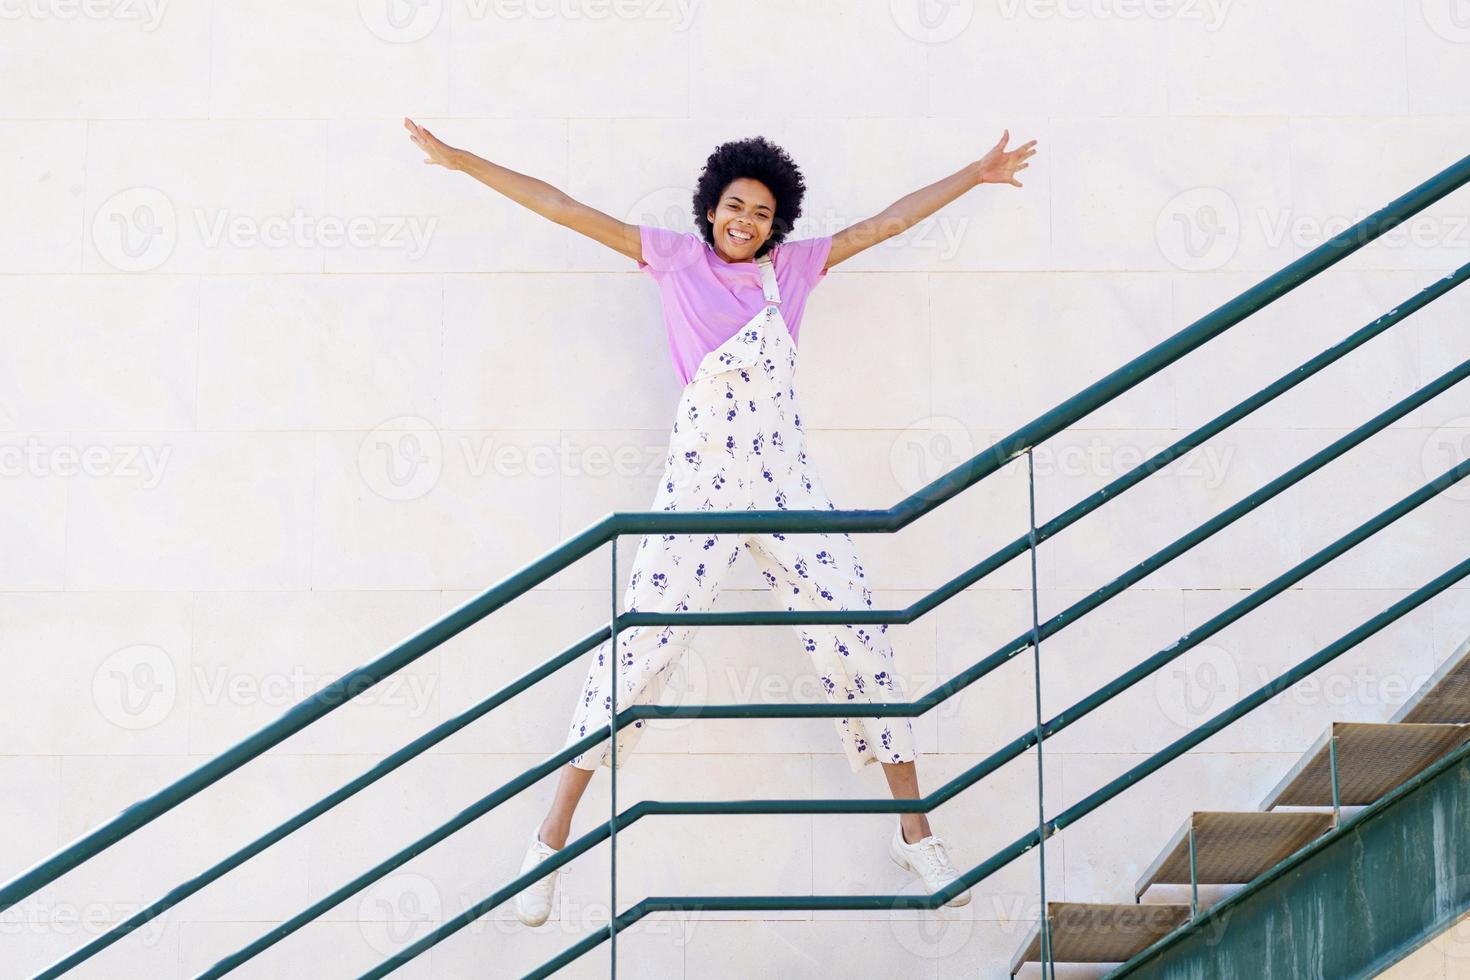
(923, 804)
(883, 521)
(1340, 446)
(909, 614)
(1003, 857)
(897, 709)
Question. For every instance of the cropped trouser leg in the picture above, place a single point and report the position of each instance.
(671, 573)
(854, 663)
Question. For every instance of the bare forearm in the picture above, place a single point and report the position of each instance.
(902, 214)
(524, 189)
(998, 166)
(910, 209)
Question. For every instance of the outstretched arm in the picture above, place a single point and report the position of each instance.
(532, 193)
(999, 166)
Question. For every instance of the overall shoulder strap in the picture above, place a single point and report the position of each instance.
(768, 278)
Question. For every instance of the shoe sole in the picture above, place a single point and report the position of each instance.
(530, 923)
(958, 902)
(550, 903)
(533, 923)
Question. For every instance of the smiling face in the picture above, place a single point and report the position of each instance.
(743, 219)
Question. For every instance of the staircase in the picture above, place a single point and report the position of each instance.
(1322, 896)
(1350, 764)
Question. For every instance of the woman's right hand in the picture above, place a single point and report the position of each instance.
(435, 150)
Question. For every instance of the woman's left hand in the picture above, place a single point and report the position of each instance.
(1000, 166)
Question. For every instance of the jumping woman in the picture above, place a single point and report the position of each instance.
(732, 298)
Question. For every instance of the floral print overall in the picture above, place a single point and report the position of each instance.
(737, 444)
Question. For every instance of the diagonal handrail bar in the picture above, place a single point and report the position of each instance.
(923, 704)
(919, 607)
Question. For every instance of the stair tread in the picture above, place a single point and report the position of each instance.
(1092, 932)
(1372, 758)
(1233, 847)
(1445, 696)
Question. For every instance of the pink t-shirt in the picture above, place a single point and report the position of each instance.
(706, 299)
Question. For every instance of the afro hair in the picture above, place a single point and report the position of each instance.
(758, 159)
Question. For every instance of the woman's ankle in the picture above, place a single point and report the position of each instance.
(554, 837)
(915, 831)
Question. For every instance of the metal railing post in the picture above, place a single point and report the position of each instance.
(1193, 873)
(1332, 766)
(1045, 926)
(612, 718)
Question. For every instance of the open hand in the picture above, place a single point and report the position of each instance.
(436, 151)
(999, 166)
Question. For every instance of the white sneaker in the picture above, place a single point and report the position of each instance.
(533, 903)
(930, 861)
